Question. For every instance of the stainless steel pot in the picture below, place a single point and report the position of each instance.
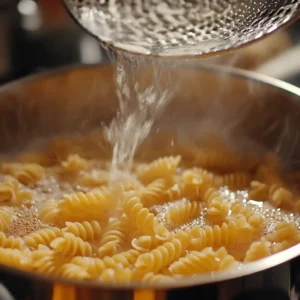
(251, 111)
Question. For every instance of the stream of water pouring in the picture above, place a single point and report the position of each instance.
(143, 88)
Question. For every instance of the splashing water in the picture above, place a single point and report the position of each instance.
(143, 91)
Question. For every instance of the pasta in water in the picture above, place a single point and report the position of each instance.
(201, 211)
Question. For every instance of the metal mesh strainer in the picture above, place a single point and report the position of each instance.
(181, 27)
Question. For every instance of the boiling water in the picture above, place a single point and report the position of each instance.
(144, 87)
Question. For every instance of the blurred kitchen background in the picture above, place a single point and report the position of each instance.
(37, 35)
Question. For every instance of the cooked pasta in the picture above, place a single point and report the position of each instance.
(49, 212)
(143, 220)
(25, 173)
(231, 234)
(16, 258)
(113, 236)
(74, 272)
(235, 181)
(6, 215)
(11, 242)
(162, 168)
(217, 211)
(71, 245)
(85, 230)
(182, 212)
(84, 207)
(201, 262)
(42, 237)
(206, 210)
(153, 193)
(258, 250)
(74, 163)
(10, 192)
(160, 257)
(258, 191)
(45, 260)
(145, 243)
(222, 159)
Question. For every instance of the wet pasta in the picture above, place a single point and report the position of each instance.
(62, 213)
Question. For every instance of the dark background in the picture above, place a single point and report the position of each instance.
(39, 34)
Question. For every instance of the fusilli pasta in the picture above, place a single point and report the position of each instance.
(85, 230)
(25, 173)
(42, 237)
(201, 262)
(6, 215)
(161, 168)
(144, 220)
(70, 245)
(64, 213)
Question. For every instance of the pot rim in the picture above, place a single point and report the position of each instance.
(243, 270)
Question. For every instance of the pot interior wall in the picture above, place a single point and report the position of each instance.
(245, 112)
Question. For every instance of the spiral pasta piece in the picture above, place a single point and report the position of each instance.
(113, 236)
(89, 206)
(70, 245)
(16, 258)
(46, 261)
(126, 258)
(96, 266)
(11, 192)
(161, 168)
(85, 230)
(283, 231)
(227, 235)
(217, 211)
(144, 220)
(182, 212)
(285, 236)
(49, 212)
(145, 243)
(42, 237)
(163, 255)
(256, 222)
(75, 163)
(258, 191)
(118, 274)
(174, 192)
(6, 215)
(202, 262)
(222, 160)
(73, 271)
(234, 181)
(258, 250)
(281, 197)
(153, 193)
(193, 182)
(24, 173)
(94, 179)
(11, 242)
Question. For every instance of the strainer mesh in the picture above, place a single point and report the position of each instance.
(181, 26)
